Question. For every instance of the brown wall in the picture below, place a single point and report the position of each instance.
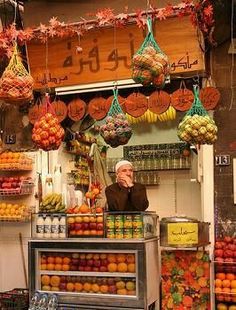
(224, 75)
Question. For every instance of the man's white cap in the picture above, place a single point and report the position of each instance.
(122, 163)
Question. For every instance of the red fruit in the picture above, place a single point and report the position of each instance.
(219, 252)
(232, 246)
(228, 253)
(219, 260)
(218, 245)
(227, 239)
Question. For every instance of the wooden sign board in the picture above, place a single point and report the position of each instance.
(107, 54)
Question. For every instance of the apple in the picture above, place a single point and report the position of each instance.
(75, 255)
(72, 232)
(71, 226)
(92, 226)
(82, 256)
(96, 269)
(227, 239)
(103, 268)
(219, 252)
(232, 247)
(112, 289)
(90, 262)
(78, 219)
(111, 281)
(75, 261)
(229, 260)
(79, 232)
(104, 262)
(87, 268)
(89, 256)
(103, 256)
(97, 263)
(81, 268)
(99, 226)
(73, 267)
(228, 253)
(96, 256)
(78, 226)
(83, 262)
(62, 286)
(85, 226)
(219, 260)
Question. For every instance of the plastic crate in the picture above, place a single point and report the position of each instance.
(17, 298)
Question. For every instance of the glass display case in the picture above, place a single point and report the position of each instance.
(96, 273)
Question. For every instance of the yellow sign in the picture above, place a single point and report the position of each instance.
(107, 56)
(182, 233)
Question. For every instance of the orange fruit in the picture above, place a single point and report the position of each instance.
(121, 258)
(46, 288)
(220, 275)
(218, 283)
(70, 287)
(55, 280)
(50, 266)
(131, 267)
(202, 281)
(95, 288)
(87, 286)
(43, 260)
(229, 276)
(43, 266)
(58, 260)
(130, 258)
(112, 267)
(66, 260)
(58, 267)
(225, 283)
(233, 284)
(65, 267)
(111, 258)
(84, 208)
(233, 291)
(218, 290)
(45, 279)
(55, 288)
(225, 290)
(122, 267)
(104, 289)
(122, 291)
(50, 259)
(78, 287)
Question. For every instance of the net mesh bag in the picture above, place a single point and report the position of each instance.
(150, 65)
(116, 130)
(16, 84)
(197, 127)
(47, 132)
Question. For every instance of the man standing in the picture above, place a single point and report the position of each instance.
(125, 195)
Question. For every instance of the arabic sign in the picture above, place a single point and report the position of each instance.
(182, 233)
(167, 150)
(105, 59)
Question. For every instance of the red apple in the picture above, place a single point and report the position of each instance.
(227, 239)
(75, 261)
(112, 289)
(219, 260)
(232, 246)
(92, 226)
(96, 269)
(87, 268)
(228, 253)
(62, 286)
(83, 262)
(78, 226)
(85, 226)
(73, 267)
(97, 263)
(103, 268)
(104, 262)
(219, 252)
(90, 262)
(89, 256)
(99, 226)
(81, 268)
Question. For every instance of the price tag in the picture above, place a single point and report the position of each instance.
(182, 233)
(10, 139)
(222, 160)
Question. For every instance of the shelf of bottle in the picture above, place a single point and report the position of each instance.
(89, 273)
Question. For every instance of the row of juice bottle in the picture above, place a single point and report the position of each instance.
(50, 226)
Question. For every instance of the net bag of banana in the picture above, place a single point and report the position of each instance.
(116, 130)
(197, 127)
(150, 65)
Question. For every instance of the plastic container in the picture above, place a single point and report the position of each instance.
(47, 227)
(55, 227)
(40, 226)
(62, 227)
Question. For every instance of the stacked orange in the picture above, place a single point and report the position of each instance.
(225, 286)
(15, 160)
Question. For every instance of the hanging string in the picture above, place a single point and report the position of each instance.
(116, 52)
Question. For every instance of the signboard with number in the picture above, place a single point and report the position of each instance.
(222, 160)
(103, 60)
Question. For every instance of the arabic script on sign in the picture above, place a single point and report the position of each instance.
(182, 233)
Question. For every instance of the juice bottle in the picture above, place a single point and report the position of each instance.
(40, 226)
(47, 227)
(55, 227)
(62, 227)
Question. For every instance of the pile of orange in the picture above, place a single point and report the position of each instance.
(225, 286)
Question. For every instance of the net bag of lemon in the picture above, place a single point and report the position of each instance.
(16, 84)
(197, 127)
(150, 65)
(116, 130)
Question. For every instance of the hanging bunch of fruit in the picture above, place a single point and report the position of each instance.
(16, 84)
(197, 127)
(116, 130)
(47, 131)
(150, 65)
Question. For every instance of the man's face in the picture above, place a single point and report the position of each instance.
(126, 170)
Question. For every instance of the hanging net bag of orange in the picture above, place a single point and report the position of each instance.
(116, 130)
(47, 133)
(197, 127)
(16, 84)
(150, 65)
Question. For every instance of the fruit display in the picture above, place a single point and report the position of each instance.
(150, 66)
(148, 117)
(89, 262)
(85, 225)
(14, 212)
(185, 280)
(116, 130)
(223, 306)
(52, 203)
(225, 272)
(16, 185)
(15, 161)
(48, 133)
(89, 285)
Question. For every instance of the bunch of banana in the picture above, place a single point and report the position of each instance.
(52, 203)
(150, 117)
(168, 115)
(133, 120)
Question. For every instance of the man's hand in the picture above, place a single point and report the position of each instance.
(124, 180)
